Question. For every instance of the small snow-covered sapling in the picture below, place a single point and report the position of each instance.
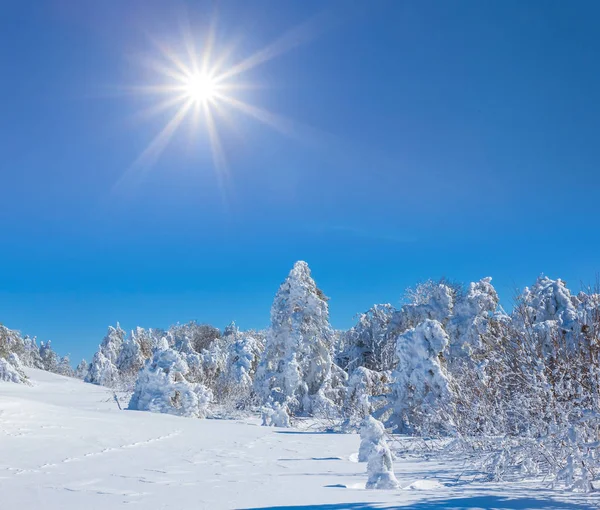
(374, 450)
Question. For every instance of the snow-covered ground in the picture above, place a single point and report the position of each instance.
(65, 445)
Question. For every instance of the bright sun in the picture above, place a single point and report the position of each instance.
(200, 84)
(200, 88)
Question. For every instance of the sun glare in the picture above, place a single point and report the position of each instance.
(200, 84)
(200, 88)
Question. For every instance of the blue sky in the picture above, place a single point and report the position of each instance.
(428, 139)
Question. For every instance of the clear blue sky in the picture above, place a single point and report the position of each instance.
(431, 139)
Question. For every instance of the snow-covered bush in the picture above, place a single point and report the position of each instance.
(275, 414)
(161, 387)
(375, 451)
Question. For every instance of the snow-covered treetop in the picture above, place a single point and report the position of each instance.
(428, 300)
(299, 293)
(480, 299)
(550, 300)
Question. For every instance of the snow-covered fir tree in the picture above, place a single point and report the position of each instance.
(130, 360)
(103, 369)
(82, 369)
(50, 359)
(297, 368)
(64, 367)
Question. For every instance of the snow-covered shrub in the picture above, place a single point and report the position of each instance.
(420, 385)
(297, 366)
(375, 451)
(275, 414)
(528, 400)
(161, 387)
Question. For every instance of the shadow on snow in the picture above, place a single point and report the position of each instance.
(476, 502)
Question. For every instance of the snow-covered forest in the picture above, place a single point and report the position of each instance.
(516, 392)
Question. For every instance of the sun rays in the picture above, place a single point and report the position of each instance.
(202, 84)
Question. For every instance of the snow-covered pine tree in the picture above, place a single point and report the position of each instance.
(64, 367)
(49, 358)
(103, 369)
(130, 360)
(82, 369)
(296, 368)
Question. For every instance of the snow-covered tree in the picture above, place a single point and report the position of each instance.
(112, 343)
(64, 367)
(200, 336)
(363, 386)
(82, 369)
(420, 385)
(102, 371)
(130, 360)
(297, 367)
(10, 371)
(235, 385)
(368, 343)
(429, 300)
(49, 358)
(375, 451)
(470, 317)
(161, 387)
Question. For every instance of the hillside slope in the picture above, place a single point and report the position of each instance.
(65, 445)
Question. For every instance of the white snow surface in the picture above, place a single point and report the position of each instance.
(64, 445)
